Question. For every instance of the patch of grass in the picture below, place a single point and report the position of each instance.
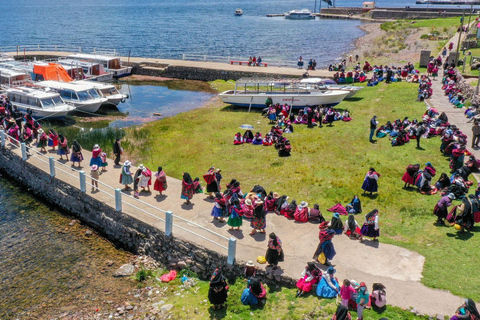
(192, 303)
(327, 166)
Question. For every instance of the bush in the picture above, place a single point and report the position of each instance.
(424, 36)
(143, 274)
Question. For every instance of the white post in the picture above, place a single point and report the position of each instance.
(2, 137)
(83, 186)
(55, 48)
(51, 162)
(205, 58)
(183, 56)
(24, 151)
(79, 49)
(232, 248)
(168, 223)
(38, 47)
(118, 200)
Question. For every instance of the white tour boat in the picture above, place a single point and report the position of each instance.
(254, 93)
(111, 64)
(299, 14)
(5, 57)
(108, 91)
(13, 77)
(91, 70)
(83, 97)
(42, 102)
(328, 84)
(238, 12)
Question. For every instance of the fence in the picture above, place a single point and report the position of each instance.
(115, 198)
(226, 59)
(20, 49)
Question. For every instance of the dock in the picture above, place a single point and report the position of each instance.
(276, 15)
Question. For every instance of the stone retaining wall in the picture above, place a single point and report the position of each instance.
(124, 230)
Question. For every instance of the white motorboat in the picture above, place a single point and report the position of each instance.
(111, 64)
(90, 70)
(238, 12)
(43, 103)
(5, 57)
(13, 77)
(299, 14)
(82, 96)
(254, 92)
(328, 84)
(106, 90)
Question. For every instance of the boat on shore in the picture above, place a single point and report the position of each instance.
(328, 84)
(106, 90)
(83, 97)
(303, 14)
(90, 70)
(238, 12)
(43, 103)
(254, 92)
(13, 77)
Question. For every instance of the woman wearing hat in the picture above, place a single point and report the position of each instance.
(328, 286)
(160, 181)
(326, 245)
(336, 223)
(95, 176)
(371, 228)
(248, 208)
(259, 220)
(362, 300)
(76, 153)
(441, 208)
(126, 175)
(301, 215)
(145, 178)
(96, 156)
(42, 140)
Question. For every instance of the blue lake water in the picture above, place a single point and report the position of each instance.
(145, 100)
(168, 28)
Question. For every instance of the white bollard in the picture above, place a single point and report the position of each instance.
(232, 249)
(83, 186)
(23, 147)
(2, 137)
(51, 162)
(168, 223)
(118, 200)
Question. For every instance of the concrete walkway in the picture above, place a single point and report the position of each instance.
(397, 268)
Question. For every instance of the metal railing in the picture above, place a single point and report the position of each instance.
(274, 62)
(120, 199)
(20, 49)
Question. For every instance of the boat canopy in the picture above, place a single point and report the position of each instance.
(52, 71)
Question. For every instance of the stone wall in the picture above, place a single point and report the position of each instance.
(342, 10)
(123, 230)
(201, 74)
(404, 14)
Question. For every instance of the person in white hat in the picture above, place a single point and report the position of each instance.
(145, 178)
(301, 215)
(250, 270)
(126, 175)
(95, 176)
(42, 140)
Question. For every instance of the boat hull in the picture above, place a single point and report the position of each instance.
(51, 114)
(114, 100)
(90, 107)
(299, 17)
(329, 98)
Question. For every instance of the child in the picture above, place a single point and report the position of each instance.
(197, 187)
(104, 164)
(94, 174)
(346, 292)
(250, 270)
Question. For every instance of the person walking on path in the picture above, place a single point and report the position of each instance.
(476, 134)
(187, 188)
(274, 252)
(95, 176)
(76, 154)
(117, 151)
(326, 245)
(160, 181)
(373, 127)
(126, 176)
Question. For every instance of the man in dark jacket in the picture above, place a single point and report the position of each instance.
(419, 132)
(373, 127)
(117, 151)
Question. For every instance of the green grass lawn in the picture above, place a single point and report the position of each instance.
(192, 303)
(327, 166)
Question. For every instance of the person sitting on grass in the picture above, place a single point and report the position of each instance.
(248, 136)
(238, 139)
(328, 286)
(309, 277)
(255, 294)
(257, 140)
(342, 313)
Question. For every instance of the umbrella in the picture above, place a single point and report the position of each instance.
(246, 126)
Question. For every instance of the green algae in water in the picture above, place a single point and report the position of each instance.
(50, 267)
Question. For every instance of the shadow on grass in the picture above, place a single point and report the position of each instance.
(464, 236)
(353, 99)
(410, 189)
(218, 314)
(371, 196)
(232, 108)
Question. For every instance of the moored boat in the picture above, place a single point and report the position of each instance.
(108, 91)
(328, 84)
(299, 14)
(13, 77)
(41, 102)
(254, 92)
(111, 64)
(83, 97)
